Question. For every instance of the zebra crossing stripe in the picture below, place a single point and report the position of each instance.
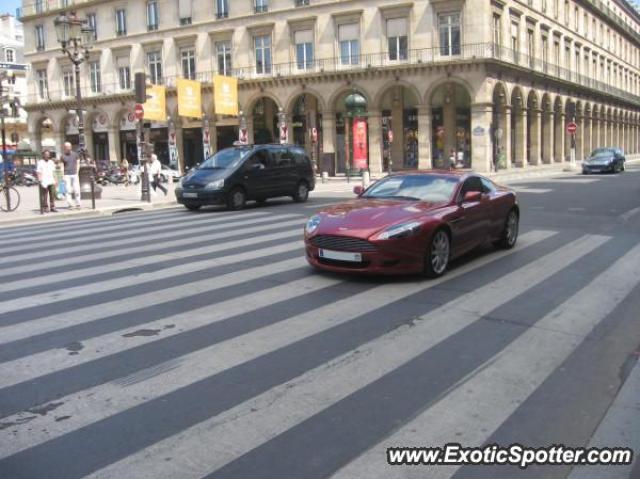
(258, 420)
(152, 260)
(199, 364)
(188, 240)
(147, 227)
(503, 383)
(90, 247)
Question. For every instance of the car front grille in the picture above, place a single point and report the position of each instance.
(342, 243)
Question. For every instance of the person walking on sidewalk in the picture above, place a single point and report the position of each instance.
(124, 168)
(71, 171)
(47, 182)
(154, 170)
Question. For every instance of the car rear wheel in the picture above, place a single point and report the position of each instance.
(510, 231)
(302, 192)
(437, 255)
(236, 199)
(193, 207)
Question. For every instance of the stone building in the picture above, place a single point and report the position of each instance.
(488, 81)
(12, 59)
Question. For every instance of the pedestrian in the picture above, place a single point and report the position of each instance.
(71, 175)
(154, 170)
(452, 159)
(47, 182)
(124, 168)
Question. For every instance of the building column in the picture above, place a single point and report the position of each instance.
(328, 160)
(114, 144)
(558, 152)
(588, 132)
(374, 123)
(481, 144)
(536, 137)
(547, 154)
(521, 138)
(506, 135)
(424, 137)
(580, 138)
(180, 146)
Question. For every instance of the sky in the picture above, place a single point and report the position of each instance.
(9, 6)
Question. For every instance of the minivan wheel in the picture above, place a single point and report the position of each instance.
(193, 207)
(236, 199)
(302, 192)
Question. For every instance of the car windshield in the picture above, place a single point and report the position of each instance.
(432, 188)
(224, 159)
(602, 152)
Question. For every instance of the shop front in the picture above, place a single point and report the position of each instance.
(128, 141)
(101, 140)
(192, 147)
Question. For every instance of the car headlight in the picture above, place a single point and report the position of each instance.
(400, 231)
(215, 185)
(312, 224)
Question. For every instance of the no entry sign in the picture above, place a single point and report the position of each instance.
(139, 111)
(572, 127)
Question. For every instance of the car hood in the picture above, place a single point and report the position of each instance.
(200, 178)
(362, 218)
(600, 160)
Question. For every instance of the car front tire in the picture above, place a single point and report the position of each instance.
(510, 231)
(236, 199)
(302, 192)
(438, 253)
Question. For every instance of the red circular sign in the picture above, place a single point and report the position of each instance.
(139, 111)
(572, 127)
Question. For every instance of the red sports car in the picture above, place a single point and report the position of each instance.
(412, 222)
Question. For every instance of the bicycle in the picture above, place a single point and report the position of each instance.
(9, 198)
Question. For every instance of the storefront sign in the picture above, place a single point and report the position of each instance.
(128, 121)
(360, 152)
(189, 98)
(72, 125)
(478, 131)
(155, 108)
(225, 96)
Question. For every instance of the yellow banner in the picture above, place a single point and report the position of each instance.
(155, 108)
(225, 95)
(189, 99)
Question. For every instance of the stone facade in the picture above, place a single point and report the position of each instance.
(487, 82)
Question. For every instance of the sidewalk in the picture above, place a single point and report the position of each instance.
(114, 199)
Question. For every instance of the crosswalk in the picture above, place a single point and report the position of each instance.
(179, 345)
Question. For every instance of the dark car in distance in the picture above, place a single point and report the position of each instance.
(412, 222)
(235, 175)
(603, 160)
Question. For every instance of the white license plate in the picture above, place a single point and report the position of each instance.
(341, 256)
(190, 195)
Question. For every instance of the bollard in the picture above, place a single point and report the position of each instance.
(365, 179)
(93, 192)
(39, 197)
(325, 176)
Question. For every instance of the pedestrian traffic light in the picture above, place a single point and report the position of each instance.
(141, 87)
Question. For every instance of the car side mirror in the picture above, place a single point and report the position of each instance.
(472, 197)
(358, 190)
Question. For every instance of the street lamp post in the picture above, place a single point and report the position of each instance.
(76, 37)
(5, 75)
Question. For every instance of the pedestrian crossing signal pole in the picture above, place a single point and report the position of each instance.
(141, 97)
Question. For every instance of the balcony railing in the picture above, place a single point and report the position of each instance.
(376, 61)
(106, 90)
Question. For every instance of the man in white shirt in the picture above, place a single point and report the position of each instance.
(154, 169)
(46, 177)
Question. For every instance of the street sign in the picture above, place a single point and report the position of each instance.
(572, 128)
(390, 134)
(139, 111)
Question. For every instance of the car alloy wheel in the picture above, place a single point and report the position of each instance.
(440, 252)
(236, 199)
(511, 229)
(302, 192)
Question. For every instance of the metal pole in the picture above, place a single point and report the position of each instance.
(5, 160)
(79, 112)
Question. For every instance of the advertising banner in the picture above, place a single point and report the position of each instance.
(360, 151)
(155, 108)
(189, 99)
(225, 95)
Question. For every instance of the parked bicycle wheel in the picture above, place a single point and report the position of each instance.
(9, 199)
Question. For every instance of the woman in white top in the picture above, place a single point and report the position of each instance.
(47, 181)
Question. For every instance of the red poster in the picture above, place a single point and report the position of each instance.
(359, 144)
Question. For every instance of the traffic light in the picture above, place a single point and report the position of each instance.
(141, 87)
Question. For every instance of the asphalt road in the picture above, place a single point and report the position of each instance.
(173, 344)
